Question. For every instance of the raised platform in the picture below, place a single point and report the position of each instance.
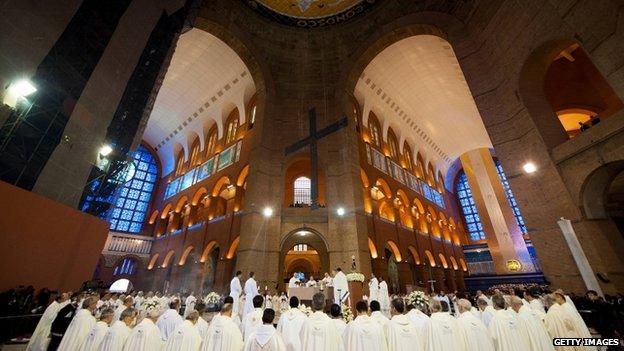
(484, 282)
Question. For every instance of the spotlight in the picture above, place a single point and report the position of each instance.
(267, 212)
(106, 150)
(340, 211)
(529, 167)
(22, 88)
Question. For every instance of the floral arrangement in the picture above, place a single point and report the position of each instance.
(212, 299)
(150, 304)
(417, 298)
(305, 309)
(347, 316)
(355, 277)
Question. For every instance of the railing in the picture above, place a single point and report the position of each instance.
(128, 243)
(481, 268)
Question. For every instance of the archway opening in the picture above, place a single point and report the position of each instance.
(303, 251)
(297, 191)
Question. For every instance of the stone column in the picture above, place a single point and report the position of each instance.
(503, 234)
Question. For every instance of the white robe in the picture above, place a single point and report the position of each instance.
(223, 335)
(535, 330)
(364, 334)
(77, 331)
(168, 322)
(41, 336)
(202, 327)
(384, 298)
(474, 334)
(185, 337)
(487, 314)
(289, 326)
(560, 324)
(536, 304)
(251, 321)
(418, 320)
(144, 337)
(373, 288)
(189, 305)
(379, 317)
(251, 290)
(341, 287)
(265, 338)
(138, 301)
(319, 334)
(115, 337)
(402, 335)
(118, 311)
(95, 337)
(507, 332)
(441, 333)
(340, 325)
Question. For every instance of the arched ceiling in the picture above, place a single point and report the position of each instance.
(416, 86)
(204, 82)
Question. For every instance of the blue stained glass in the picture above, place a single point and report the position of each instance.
(135, 227)
(139, 175)
(123, 225)
(143, 166)
(120, 202)
(510, 197)
(116, 212)
(141, 206)
(145, 196)
(148, 187)
(123, 191)
(471, 217)
(133, 194)
(138, 217)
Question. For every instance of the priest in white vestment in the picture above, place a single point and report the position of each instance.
(146, 336)
(487, 311)
(418, 318)
(128, 302)
(202, 325)
(265, 337)
(373, 288)
(41, 336)
(185, 337)
(481, 295)
(400, 333)
(531, 322)
(363, 333)
(341, 286)
(441, 332)
(96, 334)
(236, 289)
(335, 311)
(505, 328)
(568, 306)
(376, 314)
(251, 290)
(189, 304)
(293, 283)
(289, 325)
(254, 318)
(560, 323)
(169, 320)
(384, 297)
(318, 332)
(223, 334)
(138, 300)
(474, 334)
(118, 333)
(79, 327)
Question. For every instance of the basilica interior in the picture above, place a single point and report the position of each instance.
(441, 145)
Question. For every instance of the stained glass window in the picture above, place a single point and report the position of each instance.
(302, 191)
(510, 197)
(231, 130)
(133, 198)
(127, 266)
(469, 209)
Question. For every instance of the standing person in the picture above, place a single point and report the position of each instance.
(335, 312)
(487, 311)
(235, 290)
(254, 318)
(96, 334)
(400, 333)
(363, 333)
(170, 319)
(327, 281)
(560, 323)
(223, 334)
(146, 335)
(251, 290)
(474, 334)
(535, 303)
(60, 324)
(202, 324)
(41, 336)
(318, 332)
(79, 327)
(418, 317)
(373, 288)
(265, 337)
(505, 328)
(341, 286)
(292, 283)
(384, 297)
(533, 327)
(118, 333)
(441, 332)
(289, 325)
(185, 337)
(189, 304)
(127, 303)
(376, 314)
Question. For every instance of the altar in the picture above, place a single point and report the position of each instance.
(304, 294)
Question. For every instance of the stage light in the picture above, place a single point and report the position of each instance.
(340, 211)
(105, 150)
(529, 167)
(22, 88)
(267, 212)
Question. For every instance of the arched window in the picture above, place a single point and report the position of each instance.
(374, 131)
(179, 163)
(300, 247)
(407, 153)
(126, 267)
(132, 199)
(302, 191)
(231, 130)
(252, 118)
(392, 145)
(195, 154)
(212, 142)
(469, 209)
(510, 197)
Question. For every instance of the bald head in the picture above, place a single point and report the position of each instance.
(226, 310)
(516, 303)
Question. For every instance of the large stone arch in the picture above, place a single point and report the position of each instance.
(304, 235)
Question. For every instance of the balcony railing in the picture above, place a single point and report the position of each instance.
(128, 244)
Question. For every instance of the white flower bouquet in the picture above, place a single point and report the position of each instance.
(149, 305)
(347, 316)
(305, 309)
(417, 298)
(212, 299)
(355, 277)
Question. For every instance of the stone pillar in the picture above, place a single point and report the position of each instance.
(578, 254)
(503, 235)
